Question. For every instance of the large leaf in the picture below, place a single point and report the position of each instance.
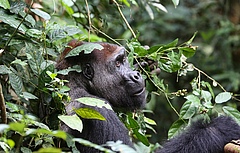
(4, 69)
(171, 65)
(223, 97)
(11, 20)
(234, 113)
(16, 83)
(87, 48)
(89, 113)
(42, 14)
(189, 108)
(176, 128)
(94, 102)
(74, 122)
(51, 149)
(5, 4)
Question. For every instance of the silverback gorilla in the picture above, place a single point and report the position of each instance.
(106, 75)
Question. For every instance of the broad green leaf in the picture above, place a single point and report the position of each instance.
(90, 144)
(17, 7)
(187, 51)
(171, 65)
(5, 4)
(28, 96)
(175, 2)
(188, 109)
(141, 137)
(74, 122)
(87, 48)
(41, 13)
(4, 69)
(10, 143)
(133, 123)
(89, 113)
(94, 102)
(206, 95)
(16, 83)
(176, 128)
(234, 113)
(44, 77)
(11, 20)
(49, 150)
(60, 134)
(19, 127)
(34, 33)
(223, 97)
(12, 107)
(52, 75)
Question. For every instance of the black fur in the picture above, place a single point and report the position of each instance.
(105, 75)
(204, 137)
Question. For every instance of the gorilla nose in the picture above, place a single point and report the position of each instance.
(135, 76)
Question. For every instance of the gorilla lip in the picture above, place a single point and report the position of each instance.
(139, 92)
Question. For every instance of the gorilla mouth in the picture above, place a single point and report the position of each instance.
(138, 93)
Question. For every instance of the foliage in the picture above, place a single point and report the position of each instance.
(32, 96)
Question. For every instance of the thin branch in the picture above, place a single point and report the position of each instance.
(2, 106)
(125, 20)
(89, 20)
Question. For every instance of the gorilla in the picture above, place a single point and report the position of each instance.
(106, 75)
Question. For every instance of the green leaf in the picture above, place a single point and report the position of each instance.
(141, 137)
(11, 20)
(20, 62)
(149, 121)
(223, 97)
(89, 113)
(234, 113)
(16, 83)
(4, 69)
(175, 2)
(120, 147)
(87, 48)
(34, 33)
(12, 107)
(191, 39)
(52, 150)
(28, 96)
(74, 122)
(10, 143)
(188, 110)
(26, 150)
(171, 65)
(19, 127)
(94, 102)
(176, 128)
(187, 51)
(90, 144)
(41, 13)
(5, 4)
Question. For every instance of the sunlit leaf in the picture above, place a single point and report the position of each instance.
(94, 102)
(41, 13)
(175, 2)
(89, 113)
(74, 122)
(5, 4)
(223, 97)
(45, 150)
(15, 126)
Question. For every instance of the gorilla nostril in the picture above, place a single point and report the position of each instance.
(136, 76)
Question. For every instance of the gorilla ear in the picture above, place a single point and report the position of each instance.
(88, 72)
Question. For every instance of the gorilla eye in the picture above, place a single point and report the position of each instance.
(120, 60)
